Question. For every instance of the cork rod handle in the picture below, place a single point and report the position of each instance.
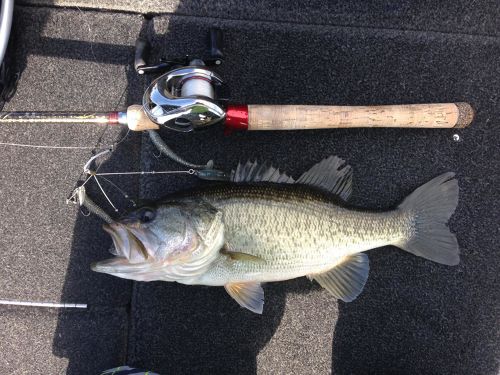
(137, 120)
(296, 117)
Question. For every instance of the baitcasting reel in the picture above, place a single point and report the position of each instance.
(184, 98)
(188, 97)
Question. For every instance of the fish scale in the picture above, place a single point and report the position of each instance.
(266, 226)
(296, 231)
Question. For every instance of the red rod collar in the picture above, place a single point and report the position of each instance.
(236, 117)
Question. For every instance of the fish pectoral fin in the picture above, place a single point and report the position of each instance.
(236, 255)
(347, 279)
(248, 295)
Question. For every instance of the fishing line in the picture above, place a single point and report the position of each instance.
(122, 192)
(48, 147)
(104, 193)
(93, 174)
(79, 195)
(102, 73)
(189, 171)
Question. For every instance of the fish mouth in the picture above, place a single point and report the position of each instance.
(126, 244)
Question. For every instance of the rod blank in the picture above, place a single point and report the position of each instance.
(104, 118)
(44, 304)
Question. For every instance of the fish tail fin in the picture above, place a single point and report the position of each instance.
(430, 207)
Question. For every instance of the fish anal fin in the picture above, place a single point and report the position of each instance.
(330, 174)
(347, 279)
(249, 295)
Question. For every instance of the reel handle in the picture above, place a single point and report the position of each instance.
(297, 117)
(215, 45)
(141, 51)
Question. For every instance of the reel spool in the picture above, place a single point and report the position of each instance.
(185, 99)
(187, 95)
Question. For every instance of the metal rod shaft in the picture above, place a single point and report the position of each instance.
(5, 25)
(102, 118)
(44, 304)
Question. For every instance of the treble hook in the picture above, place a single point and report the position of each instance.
(84, 211)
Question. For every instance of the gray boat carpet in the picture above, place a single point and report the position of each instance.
(413, 317)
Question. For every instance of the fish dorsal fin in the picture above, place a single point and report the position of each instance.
(255, 172)
(330, 174)
(347, 279)
(249, 295)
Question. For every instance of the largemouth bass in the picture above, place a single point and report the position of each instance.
(265, 226)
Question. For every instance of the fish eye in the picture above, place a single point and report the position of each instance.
(146, 215)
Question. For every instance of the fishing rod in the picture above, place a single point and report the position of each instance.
(59, 305)
(188, 96)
